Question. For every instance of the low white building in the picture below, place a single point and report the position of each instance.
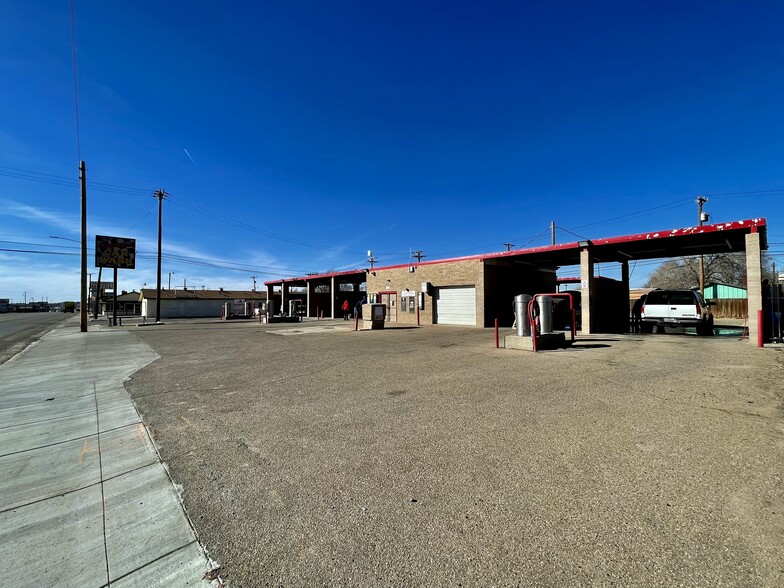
(185, 303)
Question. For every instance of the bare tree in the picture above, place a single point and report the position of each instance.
(724, 268)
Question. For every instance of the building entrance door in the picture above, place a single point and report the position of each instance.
(390, 300)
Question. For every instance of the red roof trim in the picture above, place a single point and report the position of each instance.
(315, 277)
(750, 225)
(741, 225)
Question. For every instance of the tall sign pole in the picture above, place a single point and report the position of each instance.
(160, 195)
(83, 301)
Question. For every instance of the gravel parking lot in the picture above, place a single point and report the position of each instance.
(310, 455)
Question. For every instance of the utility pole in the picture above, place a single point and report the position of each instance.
(508, 246)
(160, 195)
(254, 282)
(371, 260)
(552, 232)
(700, 216)
(418, 254)
(83, 302)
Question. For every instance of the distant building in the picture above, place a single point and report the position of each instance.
(715, 291)
(128, 304)
(185, 303)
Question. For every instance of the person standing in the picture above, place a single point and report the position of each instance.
(637, 314)
(358, 307)
(346, 306)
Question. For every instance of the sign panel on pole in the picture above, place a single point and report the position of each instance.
(116, 252)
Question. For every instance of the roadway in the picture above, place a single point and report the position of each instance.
(19, 329)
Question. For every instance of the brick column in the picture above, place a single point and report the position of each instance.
(586, 287)
(753, 283)
(332, 295)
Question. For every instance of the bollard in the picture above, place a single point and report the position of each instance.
(356, 323)
(760, 329)
(496, 333)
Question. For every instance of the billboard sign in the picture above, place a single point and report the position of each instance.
(118, 252)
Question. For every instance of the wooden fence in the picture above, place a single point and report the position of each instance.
(730, 308)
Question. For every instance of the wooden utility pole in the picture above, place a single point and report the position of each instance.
(160, 195)
(700, 201)
(418, 254)
(83, 302)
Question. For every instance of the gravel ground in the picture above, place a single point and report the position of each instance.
(426, 457)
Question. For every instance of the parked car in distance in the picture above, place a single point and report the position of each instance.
(677, 308)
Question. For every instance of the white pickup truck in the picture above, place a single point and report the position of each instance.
(677, 308)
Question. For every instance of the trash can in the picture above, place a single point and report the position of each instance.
(522, 324)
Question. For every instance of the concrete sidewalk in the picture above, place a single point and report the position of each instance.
(84, 499)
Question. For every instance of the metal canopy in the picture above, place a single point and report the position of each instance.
(729, 237)
(700, 240)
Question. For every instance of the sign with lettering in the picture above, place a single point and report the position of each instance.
(119, 252)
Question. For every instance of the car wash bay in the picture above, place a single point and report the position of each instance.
(477, 290)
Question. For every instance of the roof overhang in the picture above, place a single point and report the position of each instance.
(727, 237)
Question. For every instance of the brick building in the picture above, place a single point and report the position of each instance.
(478, 289)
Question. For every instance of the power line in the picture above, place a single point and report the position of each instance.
(70, 182)
(750, 193)
(41, 252)
(233, 222)
(571, 233)
(672, 204)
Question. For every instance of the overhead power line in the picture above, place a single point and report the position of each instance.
(240, 224)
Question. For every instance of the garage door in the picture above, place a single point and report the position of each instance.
(456, 306)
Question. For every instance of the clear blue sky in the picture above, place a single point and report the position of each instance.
(295, 136)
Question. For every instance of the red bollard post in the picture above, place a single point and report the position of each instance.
(496, 333)
(760, 330)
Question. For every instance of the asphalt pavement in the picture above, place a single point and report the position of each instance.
(17, 329)
(312, 455)
(84, 498)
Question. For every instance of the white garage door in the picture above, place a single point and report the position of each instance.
(456, 306)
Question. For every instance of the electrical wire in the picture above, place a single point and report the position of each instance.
(722, 195)
(239, 224)
(647, 211)
(135, 191)
(571, 233)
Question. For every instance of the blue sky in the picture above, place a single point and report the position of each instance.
(295, 136)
